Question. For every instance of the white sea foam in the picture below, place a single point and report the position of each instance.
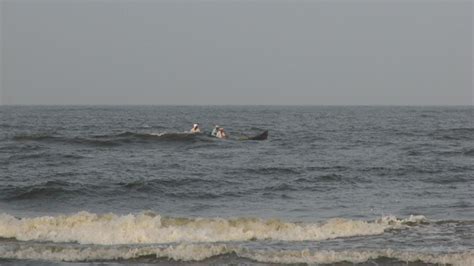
(110, 229)
(160, 134)
(157, 134)
(199, 252)
(182, 252)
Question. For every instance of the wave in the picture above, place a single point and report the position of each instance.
(5, 125)
(45, 190)
(167, 188)
(154, 136)
(23, 137)
(327, 178)
(60, 139)
(451, 153)
(114, 140)
(44, 155)
(154, 184)
(55, 189)
(454, 134)
(147, 228)
(203, 252)
(274, 170)
(280, 187)
(469, 152)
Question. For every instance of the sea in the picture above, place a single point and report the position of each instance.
(332, 185)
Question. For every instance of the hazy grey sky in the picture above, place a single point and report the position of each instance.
(236, 52)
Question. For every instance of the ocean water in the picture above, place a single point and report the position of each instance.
(334, 185)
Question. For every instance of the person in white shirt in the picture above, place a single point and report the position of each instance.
(195, 129)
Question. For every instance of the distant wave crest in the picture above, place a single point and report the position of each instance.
(114, 140)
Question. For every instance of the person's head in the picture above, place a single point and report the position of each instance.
(216, 126)
(195, 125)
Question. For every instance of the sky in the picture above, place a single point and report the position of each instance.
(236, 52)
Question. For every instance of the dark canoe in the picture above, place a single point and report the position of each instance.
(261, 136)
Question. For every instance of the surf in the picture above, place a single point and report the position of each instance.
(111, 229)
(219, 253)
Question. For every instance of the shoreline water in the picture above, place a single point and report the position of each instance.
(331, 185)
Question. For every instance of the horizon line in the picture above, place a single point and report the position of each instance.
(237, 105)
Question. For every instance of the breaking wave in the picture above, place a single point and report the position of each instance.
(151, 228)
(200, 252)
(86, 236)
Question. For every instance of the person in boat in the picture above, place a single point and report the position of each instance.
(195, 129)
(214, 131)
(221, 133)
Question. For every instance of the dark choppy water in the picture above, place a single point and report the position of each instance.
(343, 185)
